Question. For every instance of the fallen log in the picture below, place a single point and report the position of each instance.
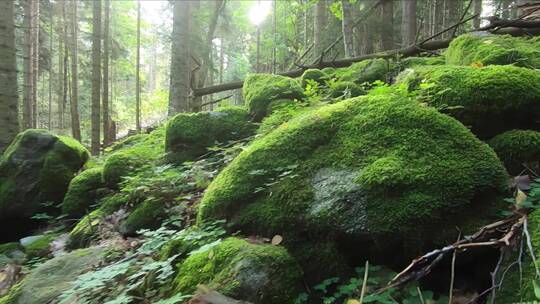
(509, 27)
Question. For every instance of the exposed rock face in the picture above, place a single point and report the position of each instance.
(37, 168)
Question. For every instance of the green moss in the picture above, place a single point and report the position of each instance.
(346, 89)
(148, 215)
(313, 75)
(281, 116)
(490, 100)
(41, 246)
(122, 164)
(37, 167)
(129, 142)
(263, 274)
(85, 230)
(365, 71)
(411, 62)
(261, 89)
(494, 49)
(375, 165)
(84, 192)
(7, 248)
(517, 147)
(189, 135)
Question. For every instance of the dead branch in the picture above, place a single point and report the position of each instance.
(216, 101)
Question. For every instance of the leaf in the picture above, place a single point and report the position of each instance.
(536, 290)
(277, 239)
(521, 197)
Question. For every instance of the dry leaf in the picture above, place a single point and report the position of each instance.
(277, 239)
(520, 197)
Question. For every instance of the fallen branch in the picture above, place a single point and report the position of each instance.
(216, 101)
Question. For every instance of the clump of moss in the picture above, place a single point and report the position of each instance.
(121, 164)
(36, 168)
(41, 246)
(84, 191)
(261, 89)
(490, 100)
(494, 49)
(147, 215)
(263, 274)
(189, 135)
(313, 75)
(85, 230)
(365, 167)
(346, 89)
(365, 71)
(518, 147)
(411, 62)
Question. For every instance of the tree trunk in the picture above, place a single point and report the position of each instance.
(408, 25)
(9, 102)
(28, 62)
(387, 33)
(51, 36)
(105, 93)
(319, 28)
(137, 71)
(221, 59)
(477, 11)
(180, 58)
(347, 28)
(74, 104)
(35, 58)
(96, 76)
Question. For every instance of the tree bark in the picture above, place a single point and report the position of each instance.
(51, 40)
(96, 76)
(387, 17)
(138, 71)
(28, 62)
(477, 11)
(105, 93)
(347, 28)
(74, 104)
(9, 102)
(408, 25)
(180, 58)
(35, 58)
(319, 28)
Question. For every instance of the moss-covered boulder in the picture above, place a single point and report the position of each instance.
(411, 62)
(147, 215)
(490, 100)
(481, 49)
(516, 148)
(84, 192)
(365, 71)
(346, 89)
(86, 229)
(262, 274)
(40, 246)
(37, 168)
(260, 90)
(189, 135)
(313, 75)
(122, 164)
(369, 168)
(50, 279)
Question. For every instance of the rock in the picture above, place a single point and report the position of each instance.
(264, 274)
(189, 136)
(37, 168)
(490, 100)
(365, 71)
(346, 89)
(39, 245)
(260, 90)
(50, 279)
(518, 147)
(378, 168)
(411, 62)
(120, 165)
(147, 215)
(481, 49)
(315, 75)
(84, 191)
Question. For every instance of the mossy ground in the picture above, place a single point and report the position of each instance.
(516, 148)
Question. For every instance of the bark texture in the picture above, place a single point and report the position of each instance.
(408, 25)
(74, 105)
(96, 76)
(347, 28)
(180, 57)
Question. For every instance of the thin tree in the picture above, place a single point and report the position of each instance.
(408, 23)
(138, 68)
(180, 57)
(347, 27)
(9, 106)
(478, 12)
(105, 93)
(60, 87)
(35, 57)
(51, 33)
(74, 105)
(319, 27)
(96, 76)
(387, 33)
(28, 62)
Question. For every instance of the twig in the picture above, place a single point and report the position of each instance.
(494, 275)
(462, 16)
(530, 247)
(216, 101)
(364, 284)
(422, 301)
(453, 273)
(448, 29)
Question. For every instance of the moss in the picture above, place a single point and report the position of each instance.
(122, 164)
(7, 248)
(517, 147)
(263, 274)
(148, 215)
(129, 142)
(411, 62)
(261, 89)
(84, 191)
(189, 135)
(365, 71)
(329, 71)
(346, 89)
(313, 75)
(85, 230)
(494, 49)
(281, 116)
(490, 100)
(41, 246)
(374, 165)
(37, 167)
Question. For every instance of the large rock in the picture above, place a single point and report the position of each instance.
(518, 149)
(365, 71)
(490, 100)
(37, 168)
(84, 192)
(367, 168)
(263, 274)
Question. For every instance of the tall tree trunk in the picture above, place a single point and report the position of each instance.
(51, 40)
(138, 68)
(96, 76)
(35, 58)
(274, 50)
(28, 62)
(319, 28)
(408, 25)
(347, 28)
(477, 11)
(59, 87)
(180, 58)
(9, 102)
(387, 33)
(74, 104)
(105, 94)
(221, 59)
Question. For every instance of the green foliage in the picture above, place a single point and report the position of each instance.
(261, 89)
(494, 49)
(365, 71)
(491, 100)
(40, 247)
(314, 75)
(345, 89)
(190, 135)
(84, 192)
(517, 147)
(411, 62)
(281, 115)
